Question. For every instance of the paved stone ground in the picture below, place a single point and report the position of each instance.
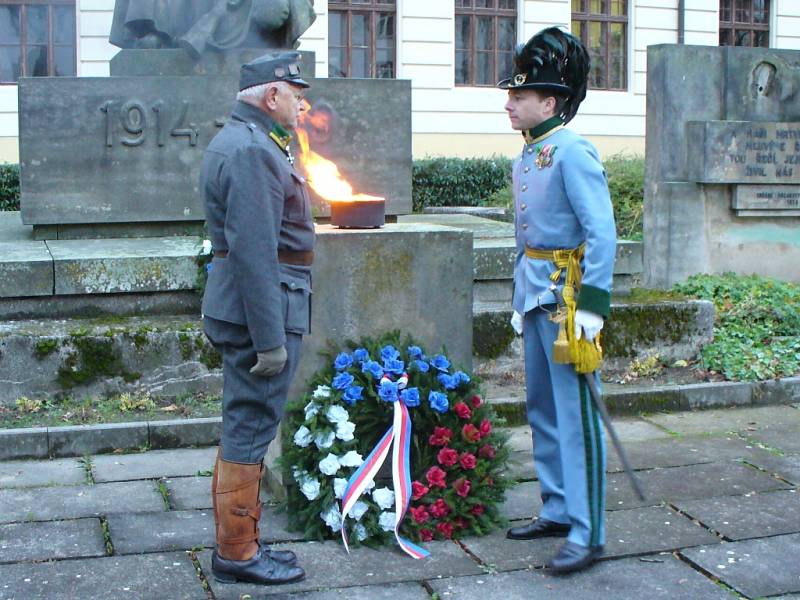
(722, 520)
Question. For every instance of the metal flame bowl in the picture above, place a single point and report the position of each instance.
(358, 214)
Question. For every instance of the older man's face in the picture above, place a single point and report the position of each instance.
(289, 103)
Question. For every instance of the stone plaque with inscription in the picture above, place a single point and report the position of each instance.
(129, 149)
(743, 152)
(766, 200)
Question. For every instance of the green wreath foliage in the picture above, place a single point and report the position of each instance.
(457, 459)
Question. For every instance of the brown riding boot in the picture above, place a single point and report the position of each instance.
(238, 556)
(214, 479)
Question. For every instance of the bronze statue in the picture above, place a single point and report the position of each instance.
(210, 25)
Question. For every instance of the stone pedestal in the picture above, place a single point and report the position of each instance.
(722, 187)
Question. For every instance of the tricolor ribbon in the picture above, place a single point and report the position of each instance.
(400, 434)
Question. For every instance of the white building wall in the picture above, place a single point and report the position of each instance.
(466, 121)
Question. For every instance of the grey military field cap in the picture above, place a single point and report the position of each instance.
(272, 67)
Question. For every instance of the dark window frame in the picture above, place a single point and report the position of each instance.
(605, 19)
(51, 44)
(372, 8)
(750, 27)
(472, 53)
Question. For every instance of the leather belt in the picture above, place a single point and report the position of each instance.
(288, 257)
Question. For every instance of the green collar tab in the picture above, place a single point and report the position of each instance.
(281, 137)
(543, 128)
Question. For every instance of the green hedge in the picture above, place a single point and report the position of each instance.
(9, 187)
(487, 182)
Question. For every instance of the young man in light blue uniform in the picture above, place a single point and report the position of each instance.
(561, 202)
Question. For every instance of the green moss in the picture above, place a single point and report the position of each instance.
(491, 334)
(186, 345)
(646, 325)
(210, 357)
(649, 296)
(91, 358)
(45, 348)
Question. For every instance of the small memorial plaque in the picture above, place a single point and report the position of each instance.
(766, 200)
(743, 152)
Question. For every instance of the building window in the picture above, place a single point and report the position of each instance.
(602, 26)
(361, 38)
(485, 35)
(37, 39)
(744, 23)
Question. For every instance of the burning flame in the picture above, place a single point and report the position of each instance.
(322, 174)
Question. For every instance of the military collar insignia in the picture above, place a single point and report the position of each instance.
(282, 138)
(543, 130)
(544, 156)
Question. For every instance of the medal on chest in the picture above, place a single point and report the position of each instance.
(544, 156)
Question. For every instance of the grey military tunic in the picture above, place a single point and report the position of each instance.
(257, 206)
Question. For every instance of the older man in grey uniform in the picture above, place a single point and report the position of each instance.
(257, 301)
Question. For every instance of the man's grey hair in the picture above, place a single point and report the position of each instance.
(254, 94)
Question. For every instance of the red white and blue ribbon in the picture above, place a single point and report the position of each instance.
(400, 434)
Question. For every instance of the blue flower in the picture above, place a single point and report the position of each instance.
(438, 402)
(343, 361)
(388, 391)
(389, 353)
(422, 366)
(414, 352)
(410, 396)
(372, 368)
(342, 381)
(448, 382)
(361, 354)
(353, 394)
(440, 362)
(394, 366)
(461, 377)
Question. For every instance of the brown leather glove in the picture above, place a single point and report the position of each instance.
(270, 362)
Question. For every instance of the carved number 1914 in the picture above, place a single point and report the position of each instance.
(133, 123)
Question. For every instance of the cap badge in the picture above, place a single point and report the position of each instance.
(520, 78)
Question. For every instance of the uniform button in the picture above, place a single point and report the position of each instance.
(524, 225)
(523, 207)
(524, 188)
(526, 170)
(292, 286)
(530, 150)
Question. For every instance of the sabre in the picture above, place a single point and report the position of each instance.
(600, 405)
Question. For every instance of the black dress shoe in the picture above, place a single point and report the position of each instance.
(538, 528)
(259, 569)
(286, 557)
(574, 557)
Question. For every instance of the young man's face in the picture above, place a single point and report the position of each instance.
(528, 108)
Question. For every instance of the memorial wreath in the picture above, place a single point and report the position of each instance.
(386, 399)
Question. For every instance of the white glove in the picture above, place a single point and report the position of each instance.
(588, 323)
(516, 322)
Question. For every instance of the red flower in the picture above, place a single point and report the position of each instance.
(439, 509)
(426, 535)
(418, 490)
(435, 477)
(467, 461)
(462, 410)
(460, 522)
(486, 428)
(486, 451)
(489, 482)
(476, 401)
(447, 457)
(477, 510)
(471, 433)
(441, 436)
(419, 513)
(462, 486)
(446, 529)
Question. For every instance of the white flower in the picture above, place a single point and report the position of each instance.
(206, 247)
(351, 459)
(324, 440)
(337, 414)
(370, 486)
(358, 510)
(298, 473)
(339, 486)
(303, 437)
(360, 531)
(386, 521)
(345, 431)
(322, 392)
(310, 488)
(329, 465)
(384, 497)
(311, 409)
(332, 517)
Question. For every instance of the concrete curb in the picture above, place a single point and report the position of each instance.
(78, 440)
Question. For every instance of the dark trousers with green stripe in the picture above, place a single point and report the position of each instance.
(568, 442)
